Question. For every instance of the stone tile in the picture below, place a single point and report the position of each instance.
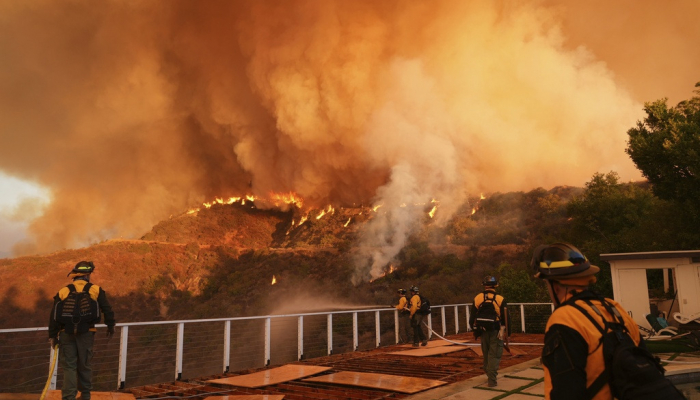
(531, 373)
(507, 384)
(474, 394)
(537, 389)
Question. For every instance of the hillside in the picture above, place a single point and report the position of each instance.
(220, 261)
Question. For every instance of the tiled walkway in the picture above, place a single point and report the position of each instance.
(526, 382)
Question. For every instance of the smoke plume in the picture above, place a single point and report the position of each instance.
(129, 112)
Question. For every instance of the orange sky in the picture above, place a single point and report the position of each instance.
(128, 112)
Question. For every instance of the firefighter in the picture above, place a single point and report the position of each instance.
(76, 337)
(417, 317)
(404, 317)
(488, 321)
(574, 365)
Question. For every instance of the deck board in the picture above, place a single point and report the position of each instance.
(429, 351)
(272, 376)
(395, 383)
(249, 397)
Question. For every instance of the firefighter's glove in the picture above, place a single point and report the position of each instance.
(110, 331)
(54, 342)
(502, 333)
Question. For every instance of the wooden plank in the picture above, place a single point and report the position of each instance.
(394, 383)
(272, 376)
(432, 343)
(56, 395)
(19, 396)
(249, 397)
(429, 351)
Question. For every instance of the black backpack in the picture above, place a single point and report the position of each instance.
(424, 306)
(486, 317)
(632, 371)
(78, 312)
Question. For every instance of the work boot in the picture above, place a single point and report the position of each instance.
(425, 343)
(492, 384)
(415, 344)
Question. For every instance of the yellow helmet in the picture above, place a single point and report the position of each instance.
(562, 262)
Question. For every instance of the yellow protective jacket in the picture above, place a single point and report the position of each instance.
(499, 305)
(415, 304)
(403, 304)
(96, 293)
(573, 354)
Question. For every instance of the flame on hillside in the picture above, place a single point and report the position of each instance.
(347, 223)
(387, 272)
(276, 199)
(290, 198)
(274, 280)
(432, 212)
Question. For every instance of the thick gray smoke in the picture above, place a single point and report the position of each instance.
(129, 112)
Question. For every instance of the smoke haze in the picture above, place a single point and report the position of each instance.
(129, 112)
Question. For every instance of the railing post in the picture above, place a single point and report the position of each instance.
(54, 374)
(396, 325)
(267, 341)
(355, 340)
(430, 325)
(377, 330)
(522, 316)
(180, 345)
(456, 320)
(469, 328)
(444, 325)
(330, 334)
(227, 345)
(300, 342)
(123, 341)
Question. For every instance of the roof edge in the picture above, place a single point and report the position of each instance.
(650, 255)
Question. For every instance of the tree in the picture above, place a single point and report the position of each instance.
(610, 213)
(666, 148)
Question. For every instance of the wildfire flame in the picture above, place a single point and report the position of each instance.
(323, 212)
(432, 212)
(375, 208)
(274, 280)
(287, 198)
(385, 273)
(482, 197)
(346, 224)
(473, 211)
(303, 219)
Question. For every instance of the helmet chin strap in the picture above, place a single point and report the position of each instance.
(557, 302)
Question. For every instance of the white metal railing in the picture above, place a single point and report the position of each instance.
(157, 331)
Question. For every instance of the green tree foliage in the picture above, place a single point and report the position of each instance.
(517, 285)
(666, 148)
(609, 212)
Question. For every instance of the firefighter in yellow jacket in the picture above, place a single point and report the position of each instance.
(573, 359)
(404, 310)
(488, 319)
(72, 327)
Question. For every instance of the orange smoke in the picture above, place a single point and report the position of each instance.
(132, 111)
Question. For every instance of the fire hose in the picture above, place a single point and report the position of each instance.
(53, 365)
